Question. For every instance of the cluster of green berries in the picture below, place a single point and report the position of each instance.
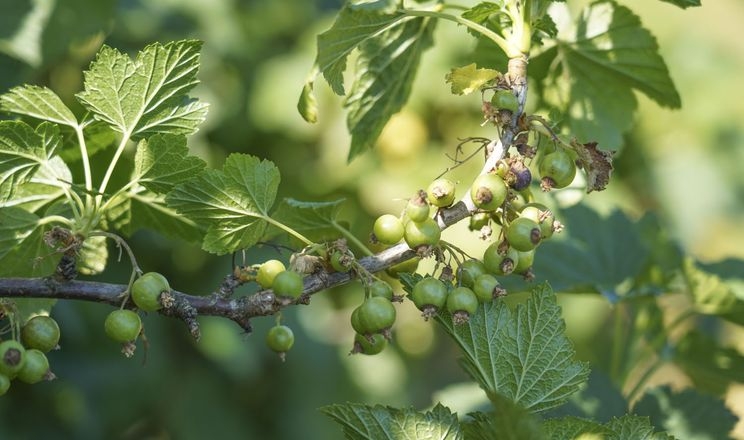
(373, 319)
(25, 360)
(148, 292)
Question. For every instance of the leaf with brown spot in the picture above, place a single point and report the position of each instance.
(596, 163)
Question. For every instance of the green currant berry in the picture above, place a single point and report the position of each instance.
(364, 346)
(12, 357)
(487, 287)
(356, 324)
(287, 284)
(146, 291)
(557, 170)
(523, 234)
(461, 303)
(424, 233)
(488, 191)
(525, 261)
(505, 100)
(407, 266)
(388, 229)
(35, 368)
(280, 338)
(441, 192)
(498, 263)
(429, 295)
(40, 332)
(542, 215)
(469, 271)
(376, 315)
(123, 325)
(417, 208)
(382, 289)
(4, 384)
(479, 220)
(267, 271)
(340, 261)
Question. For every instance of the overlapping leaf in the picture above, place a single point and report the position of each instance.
(627, 427)
(522, 355)
(37, 102)
(467, 79)
(598, 254)
(315, 220)
(232, 204)
(364, 422)
(508, 421)
(162, 161)
(147, 95)
(16, 225)
(390, 47)
(150, 211)
(687, 414)
(610, 55)
(385, 71)
(22, 151)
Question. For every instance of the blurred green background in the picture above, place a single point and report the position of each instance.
(685, 165)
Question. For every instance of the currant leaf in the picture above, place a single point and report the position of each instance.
(687, 413)
(114, 87)
(232, 204)
(315, 220)
(499, 347)
(163, 161)
(364, 422)
(602, 74)
(467, 79)
(390, 47)
(39, 103)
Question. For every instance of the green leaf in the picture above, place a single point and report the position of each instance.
(631, 427)
(710, 294)
(39, 103)
(353, 26)
(467, 79)
(599, 253)
(610, 56)
(150, 211)
(684, 4)
(598, 400)
(570, 428)
(384, 75)
(364, 422)
(628, 427)
(687, 414)
(710, 367)
(390, 47)
(30, 257)
(148, 95)
(38, 191)
(232, 203)
(507, 422)
(315, 220)
(23, 253)
(488, 14)
(22, 151)
(162, 161)
(98, 137)
(523, 355)
(16, 225)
